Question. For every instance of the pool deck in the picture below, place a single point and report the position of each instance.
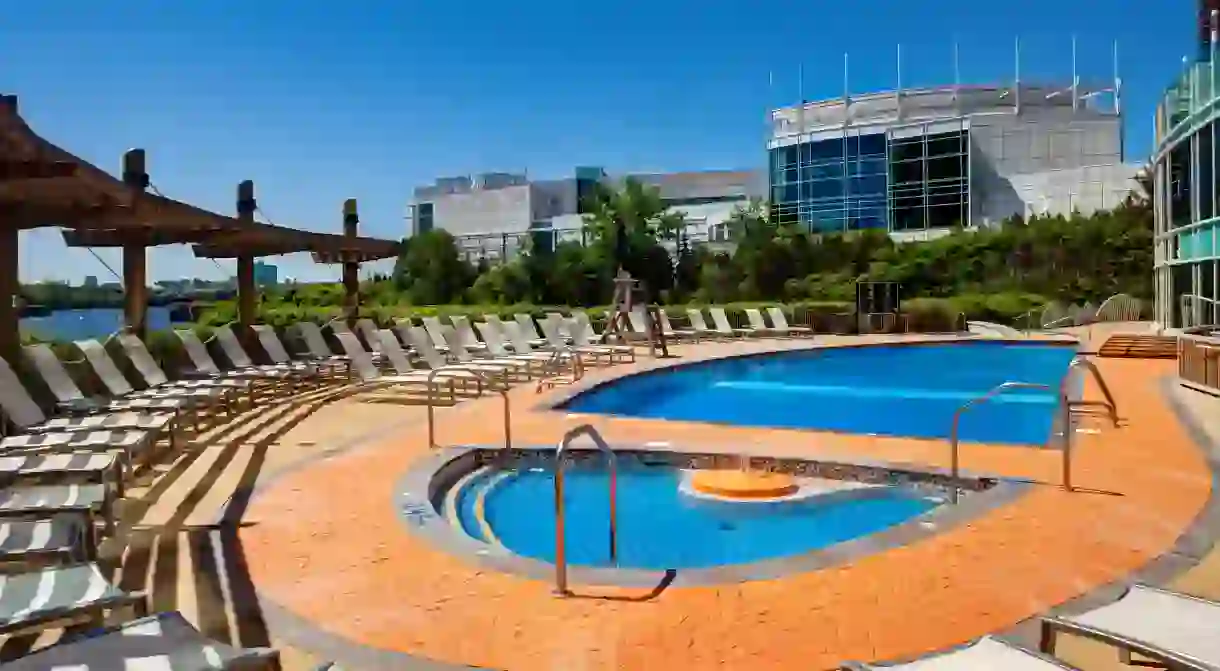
(340, 574)
(279, 529)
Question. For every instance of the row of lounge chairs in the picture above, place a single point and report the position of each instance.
(64, 472)
(1147, 626)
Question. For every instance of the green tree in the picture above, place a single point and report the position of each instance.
(434, 270)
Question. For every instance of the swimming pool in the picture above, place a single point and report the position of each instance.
(661, 524)
(900, 390)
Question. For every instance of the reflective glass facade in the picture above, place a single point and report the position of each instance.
(1186, 201)
(883, 180)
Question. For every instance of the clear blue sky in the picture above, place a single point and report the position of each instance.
(319, 101)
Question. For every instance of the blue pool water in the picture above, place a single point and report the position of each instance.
(662, 527)
(909, 390)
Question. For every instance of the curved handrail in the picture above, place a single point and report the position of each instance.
(955, 450)
(1109, 403)
(561, 560)
(484, 377)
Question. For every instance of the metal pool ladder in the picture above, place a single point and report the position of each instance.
(561, 560)
(954, 447)
(1109, 404)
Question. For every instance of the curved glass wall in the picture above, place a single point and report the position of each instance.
(1186, 201)
(902, 179)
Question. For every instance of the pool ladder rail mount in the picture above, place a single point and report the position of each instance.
(1067, 408)
(561, 560)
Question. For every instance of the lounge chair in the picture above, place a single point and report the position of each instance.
(581, 338)
(339, 327)
(529, 328)
(27, 416)
(164, 642)
(523, 347)
(502, 328)
(435, 330)
(1175, 630)
(758, 325)
(638, 319)
(723, 327)
(278, 353)
(551, 327)
(198, 395)
(497, 346)
(35, 599)
(985, 654)
(460, 354)
(60, 539)
(700, 326)
(780, 322)
(563, 323)
(676, 334)
(370, 333)
(583, 326)
(466, 336)
(71, 400)
(372, 377)
(434, 360)
(206, 366)
(315, 341)
(236, 353)
(48, 500)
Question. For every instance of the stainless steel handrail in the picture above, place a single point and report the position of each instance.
(1101, 384)
(954, 455)
(484, 377)
(561, 560)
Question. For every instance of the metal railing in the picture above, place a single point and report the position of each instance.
(954, 446)
(561, 560)
(1108, 403)
(483, 377)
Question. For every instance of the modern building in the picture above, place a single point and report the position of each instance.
(493, 214)
(1186, 200)
(266, 274)
(917, 162)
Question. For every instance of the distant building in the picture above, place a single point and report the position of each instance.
(266, 274)
(493, 214)
(90, 282)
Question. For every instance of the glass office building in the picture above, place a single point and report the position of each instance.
(1186, 201)
(901, 179)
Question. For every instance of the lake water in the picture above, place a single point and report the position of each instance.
(91, 323)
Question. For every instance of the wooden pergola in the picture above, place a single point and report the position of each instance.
(258, 240)
(43, 185)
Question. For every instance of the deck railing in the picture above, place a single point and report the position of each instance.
(1199, 362)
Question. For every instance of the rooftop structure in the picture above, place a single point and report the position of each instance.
(917, 162)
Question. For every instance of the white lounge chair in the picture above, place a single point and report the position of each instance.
(373, 379)
(244, 369)
(723, 327)
(758, 325)
(497, 346)
(460, 354)
(700, 326)
(1176, 630)
(237, 355)
(551, 328)
(675, 334)
(435, 330)
(501, 327)
(581, 338)
(44, 597)
(780, 322)
(529, 329)
(985, 654)
(466, 335)
(434, 360)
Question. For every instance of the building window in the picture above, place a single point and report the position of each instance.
(423, 218)
(929, 181)
(836, 184)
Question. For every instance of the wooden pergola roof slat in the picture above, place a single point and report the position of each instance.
(270, 240)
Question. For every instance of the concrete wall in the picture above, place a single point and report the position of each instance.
(1049, 161)
(507, 210)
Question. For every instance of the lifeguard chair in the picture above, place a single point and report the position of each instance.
(629, 293)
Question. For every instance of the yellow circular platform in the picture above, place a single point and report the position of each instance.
(738, 484)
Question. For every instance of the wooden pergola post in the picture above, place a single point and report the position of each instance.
(10, 321)
(351, 268)
(247, 293)
(135, 254)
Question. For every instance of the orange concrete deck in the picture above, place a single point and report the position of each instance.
(325, 543)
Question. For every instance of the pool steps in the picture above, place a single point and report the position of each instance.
(480, 508)
(475, 478)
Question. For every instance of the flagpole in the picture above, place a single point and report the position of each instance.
(1075, 78)
(1017, 71)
